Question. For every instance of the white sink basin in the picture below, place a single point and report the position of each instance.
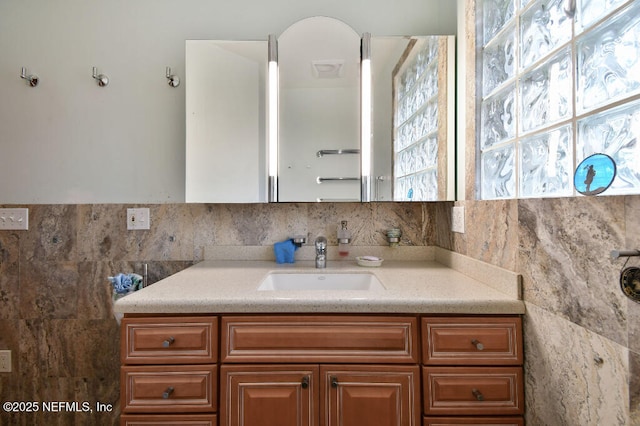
(320, 281)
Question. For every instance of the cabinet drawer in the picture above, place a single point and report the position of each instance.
(313, 338)
(478, 421)
(168, 420)
(473, 390)
(472, 340)
(161, 340)
(176, 388)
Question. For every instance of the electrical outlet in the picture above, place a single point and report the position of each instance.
(5, 361)
(14, 219)
(138, 218)
(457, 219)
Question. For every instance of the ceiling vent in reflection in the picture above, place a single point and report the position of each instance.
(328, 68)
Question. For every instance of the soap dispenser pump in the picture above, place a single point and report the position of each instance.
(344, 238)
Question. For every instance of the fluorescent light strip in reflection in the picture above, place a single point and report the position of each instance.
(273, 118)
(365, 119)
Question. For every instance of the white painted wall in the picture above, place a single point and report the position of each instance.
(70, 141)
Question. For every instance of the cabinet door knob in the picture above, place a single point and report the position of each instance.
(305, 382)
(167, 393)
(479, 346)
(334, 382)
(168, 342)
(477, 394)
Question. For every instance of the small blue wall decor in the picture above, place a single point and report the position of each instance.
(594, 174)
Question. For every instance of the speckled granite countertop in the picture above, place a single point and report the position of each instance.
(428, 286)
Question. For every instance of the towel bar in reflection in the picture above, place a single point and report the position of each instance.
(336, 179)
(324, 152)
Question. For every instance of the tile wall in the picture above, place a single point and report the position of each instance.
(55, 298)
(582, 335)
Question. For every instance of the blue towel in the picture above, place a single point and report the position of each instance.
(126, 283)
(284, 251)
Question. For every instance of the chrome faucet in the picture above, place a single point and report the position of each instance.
(321, 252)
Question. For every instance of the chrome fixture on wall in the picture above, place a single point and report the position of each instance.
(32, 79)
(102, 79)
(624, 253)
(172, 79)
(629, 276)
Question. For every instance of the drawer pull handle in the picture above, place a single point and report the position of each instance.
(334, 382)
(479, 346)
(168, 342)
(305, 382)
(477, 394)
(167, 393)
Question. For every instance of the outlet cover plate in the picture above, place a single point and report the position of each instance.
(457, 219)
(138, 218)
(5, 361)
(14, 219)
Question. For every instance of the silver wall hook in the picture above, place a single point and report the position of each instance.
(102, 79)
(32, 79)
(172, 79)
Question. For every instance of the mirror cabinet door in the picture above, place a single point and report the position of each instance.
(413, 118)
(225, 121)
(319, 111)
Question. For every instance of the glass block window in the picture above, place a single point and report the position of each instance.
(557, 86)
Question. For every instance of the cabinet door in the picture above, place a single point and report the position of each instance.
(269, 395)
(370, 395)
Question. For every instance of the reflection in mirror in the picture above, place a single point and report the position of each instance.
(319, 119)
(225, 121)
(413, 118)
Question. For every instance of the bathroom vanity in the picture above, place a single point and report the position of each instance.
(433, 347)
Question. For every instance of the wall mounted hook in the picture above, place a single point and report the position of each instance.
(32, 79)
(172, 79)
(102, 79)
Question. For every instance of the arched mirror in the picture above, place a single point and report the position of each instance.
(319, 112)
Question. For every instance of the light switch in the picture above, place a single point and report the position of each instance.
(138, 218)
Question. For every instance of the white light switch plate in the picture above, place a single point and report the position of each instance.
(457, 219)
(5, 361)
(14, 219)
(138, 218)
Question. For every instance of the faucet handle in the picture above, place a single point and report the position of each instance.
(299, 240)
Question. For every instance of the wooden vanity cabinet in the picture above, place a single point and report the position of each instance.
(322, 370)
(169, 372)
(472, 366)
(319, 370)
